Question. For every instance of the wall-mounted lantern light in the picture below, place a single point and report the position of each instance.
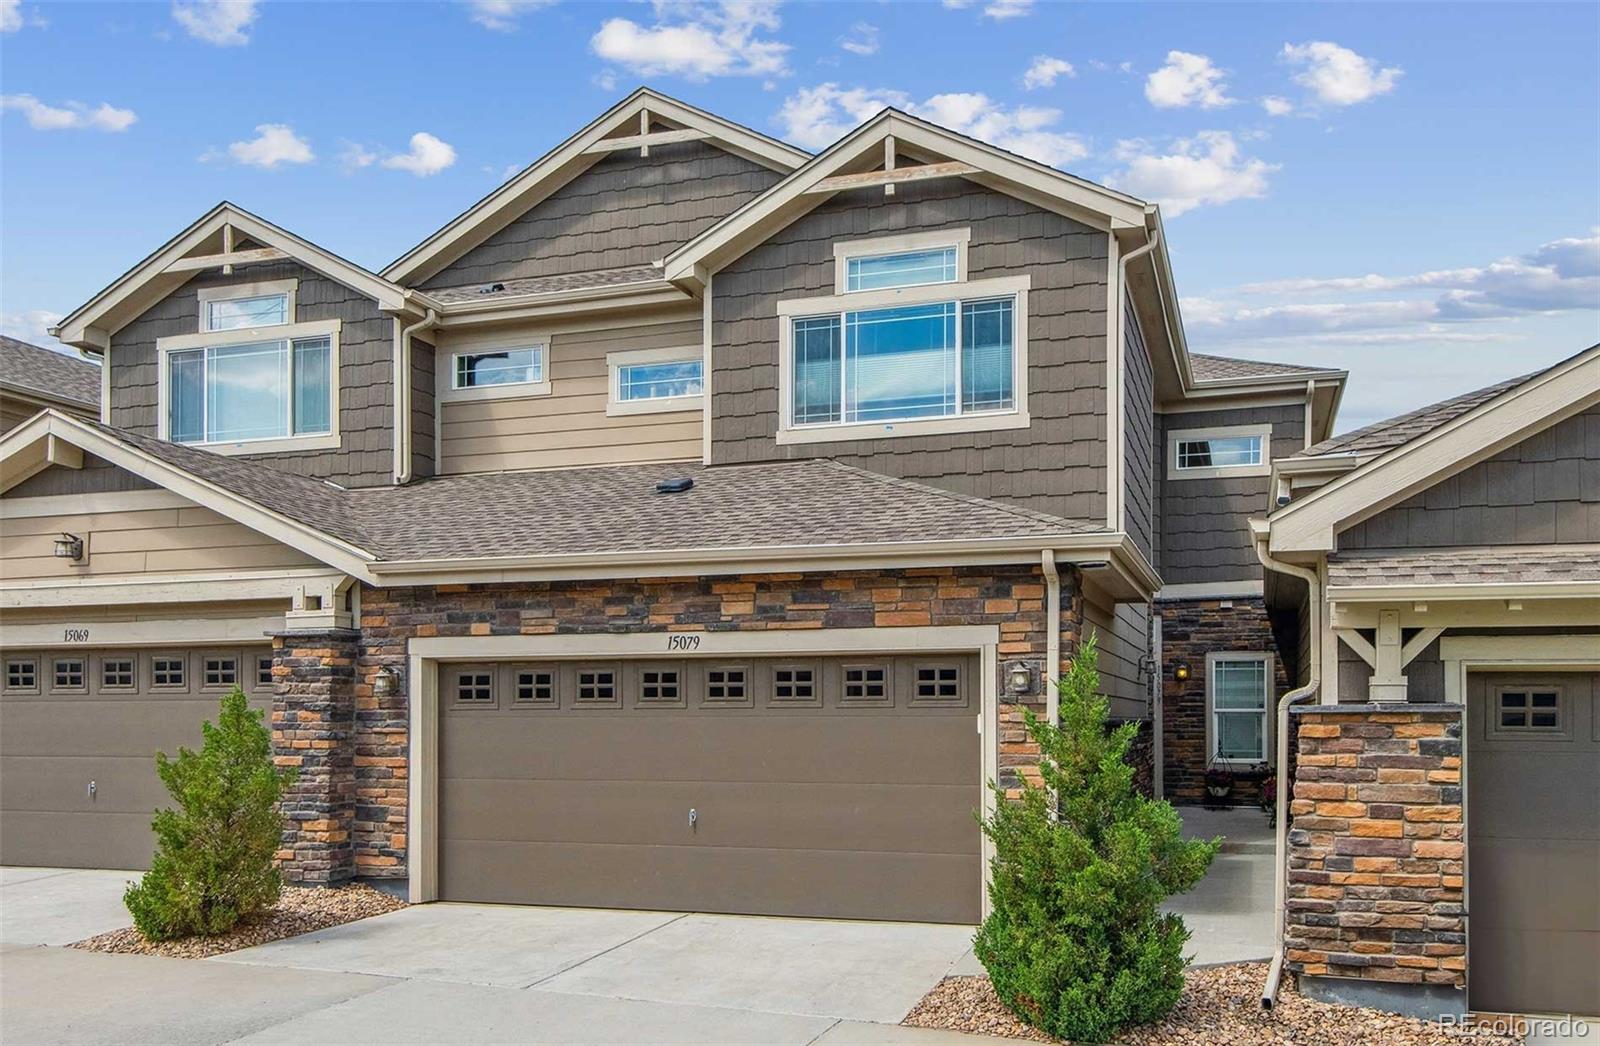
(1180, 671)
(1019, 678)
(386, 683)
(69, 546)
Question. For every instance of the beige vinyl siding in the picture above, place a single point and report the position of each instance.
(13, 414)
(1123, 637)
(137, 542)
(569, 427)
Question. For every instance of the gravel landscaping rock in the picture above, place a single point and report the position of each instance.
(299, 910)
(1220, 1004)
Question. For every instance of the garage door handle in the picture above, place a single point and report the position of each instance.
(91, 789)
(694, 817)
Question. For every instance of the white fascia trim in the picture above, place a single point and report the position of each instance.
(1529, 590)
(160, 589)
(147, 632)
(1100, 207)
(1211, 590)
(569, 159)
(344, 557)
(91, 325)
(546, 307)
(88, 504)
(817, 641)
(43, 400)
(1312, 523)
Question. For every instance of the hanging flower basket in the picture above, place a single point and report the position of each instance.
(1219, 785)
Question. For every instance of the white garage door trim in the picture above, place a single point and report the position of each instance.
(424, 654)
(1463, 654)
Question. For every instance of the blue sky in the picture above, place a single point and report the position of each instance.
(1408, 191)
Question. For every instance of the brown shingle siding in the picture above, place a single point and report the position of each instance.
(1139, 423)
(1056, 466)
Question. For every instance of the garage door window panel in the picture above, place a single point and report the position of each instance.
(655, 684)
(938, 684)
(261, 677)
(69, 675)
(119, 673)
(728, 686)
(597, 686)
(795, 685)
(867, 685)
(470, 687)
(22, 675)
(219, 672)
(1530, 713)
(169, 673)
(534, 686)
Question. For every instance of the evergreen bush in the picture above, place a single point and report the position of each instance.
(1075, 943)
(213, 864)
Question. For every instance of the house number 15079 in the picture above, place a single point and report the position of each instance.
(683, 642)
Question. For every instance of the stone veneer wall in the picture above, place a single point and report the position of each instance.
(1190, 629)
(1009, 597)
(1375, 846)
(313, 716)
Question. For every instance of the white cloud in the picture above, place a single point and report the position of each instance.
(1337, 75)
(817, 116)
(502, 15)
(428, 156)
(1276, 106)
(354, 156)
(1204, 170)
(70, 116)
(697, 40)
(10, 15)
(1000, 10)
(33, 326)
(863, 39)
(1045, 71)
(225, 23)
(274, 144)
(1187, 79)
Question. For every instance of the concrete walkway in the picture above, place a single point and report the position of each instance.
(1229, 914)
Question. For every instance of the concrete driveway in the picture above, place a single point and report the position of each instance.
(451, 973)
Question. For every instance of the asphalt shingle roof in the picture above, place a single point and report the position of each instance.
(1228, 368)
(1480, 566)
(572, 281)
(617, 509)
(48, 373)
(1385, 435)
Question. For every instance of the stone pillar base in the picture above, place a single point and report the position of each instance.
(313, 716)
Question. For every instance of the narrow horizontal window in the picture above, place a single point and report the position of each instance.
(251, 391)
(938, 360)
(652, 381)
(524, 366)
(264, 310)
(1220, 452)
(901, 269)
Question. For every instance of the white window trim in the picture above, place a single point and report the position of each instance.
(449, 392)
(244, 335)
(616, 406)
(844, 250)
(1266, 712)
(989, 421)
(1220, 471)
(232, 291)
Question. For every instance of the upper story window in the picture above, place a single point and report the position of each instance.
(1236, 450)
(901, 269)
(644, 381)
(252, 380)
(520, 366)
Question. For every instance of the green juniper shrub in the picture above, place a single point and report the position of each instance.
(213, 864)
(1075, 942)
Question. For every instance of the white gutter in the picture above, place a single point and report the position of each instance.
(1116, 503)
(1269, 991)
(1052, 641)
(402, 393)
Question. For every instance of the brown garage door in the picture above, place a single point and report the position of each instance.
(72, 718)
(1533, 843)
(840, 788)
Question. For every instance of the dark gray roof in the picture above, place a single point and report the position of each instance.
(617, 509)
(52, 374)
(1229, 368)
(573, 281)
(1386, 435)
(1466, 566)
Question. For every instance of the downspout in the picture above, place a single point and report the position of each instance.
(1269, 991)
(1117, 512)
(1052, 637)
(402, 393)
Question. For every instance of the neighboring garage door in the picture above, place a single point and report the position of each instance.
(1533, 843)
(74, 717)
(825, 787)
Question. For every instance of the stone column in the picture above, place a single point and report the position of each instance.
(1376, 851)
(313, 717)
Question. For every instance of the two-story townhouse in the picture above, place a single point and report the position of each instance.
(685, 525)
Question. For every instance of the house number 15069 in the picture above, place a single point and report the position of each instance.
(683, 642)
(75, 635)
